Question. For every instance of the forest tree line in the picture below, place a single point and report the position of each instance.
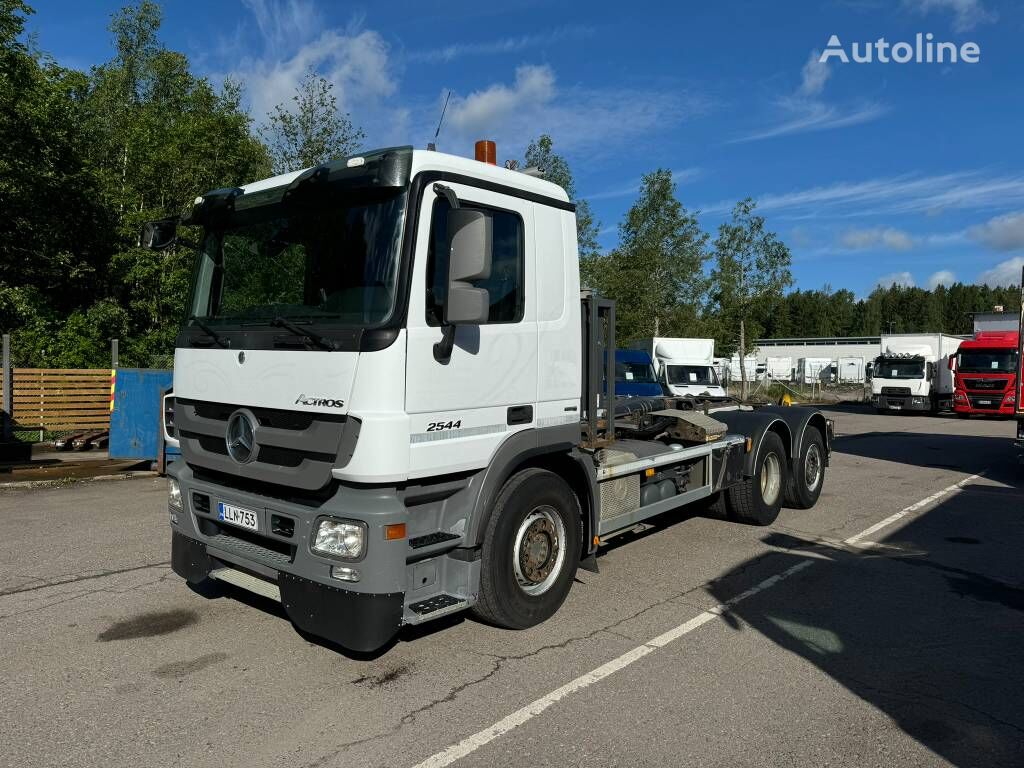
(87, 157)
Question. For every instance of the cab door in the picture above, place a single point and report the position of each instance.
(461, 408)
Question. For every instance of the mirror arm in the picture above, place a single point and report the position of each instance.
(449, 194)
(443, 348)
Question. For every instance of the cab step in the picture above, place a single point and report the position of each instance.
(434, 607)
(247, 582)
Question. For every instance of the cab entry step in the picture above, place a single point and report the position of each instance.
(435, 603)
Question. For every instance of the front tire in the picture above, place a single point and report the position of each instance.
(808, 478)
(757, 500)
(530, 552)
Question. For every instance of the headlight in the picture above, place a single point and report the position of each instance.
(339, 539)
(173, 493)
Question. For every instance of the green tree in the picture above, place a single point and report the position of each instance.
(751, 272)
(656, 275)
(540, 154)
(54, 228)
(311, 131)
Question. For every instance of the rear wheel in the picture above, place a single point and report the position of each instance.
(757, 500)
(808, 476)
(530, 551)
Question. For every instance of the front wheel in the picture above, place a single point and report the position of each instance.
(530, 552)
(757, 500)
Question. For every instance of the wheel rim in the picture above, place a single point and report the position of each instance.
(538, 550)
(812, 467)
(771, 479)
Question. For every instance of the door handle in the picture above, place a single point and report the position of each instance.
(520, 414)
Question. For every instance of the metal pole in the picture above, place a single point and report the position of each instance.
(113, 353)
(7, 416)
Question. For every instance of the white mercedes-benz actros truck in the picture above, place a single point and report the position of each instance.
(393, 402)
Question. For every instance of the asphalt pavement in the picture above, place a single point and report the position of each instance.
(884, 627)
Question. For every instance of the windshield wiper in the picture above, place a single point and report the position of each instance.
(219, 340)
(298, 330)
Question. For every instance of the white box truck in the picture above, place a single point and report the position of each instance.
(809, 370)
(912, 372)
(400, 426)
(850, 370)
(685, 366)
(778, 368)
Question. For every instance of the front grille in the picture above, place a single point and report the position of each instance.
(258, 548)
(895, 390)
(297, 449)
(992, 401)
(987, 384)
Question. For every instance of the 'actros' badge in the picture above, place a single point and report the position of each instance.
(324, 402)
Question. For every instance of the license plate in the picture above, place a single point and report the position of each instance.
(895, 407)
(984, 402)
(243, 518)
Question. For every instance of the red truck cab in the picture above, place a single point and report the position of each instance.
(986, 374)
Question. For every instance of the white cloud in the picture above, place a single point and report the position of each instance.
(1002, 233)
(279, 42)
(816, 116)
(579, 118)
(1003, 274)
(501, 45)
(804, 110)
(904, 279)
(969, 190)
(814, 74)
(942, 277)
(876, 237)
(967, 14)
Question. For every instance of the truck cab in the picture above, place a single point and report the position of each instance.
(986, 374)
(902, 381)
(634, 374)
(685, 366)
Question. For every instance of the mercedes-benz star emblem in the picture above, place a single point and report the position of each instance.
(241, 437)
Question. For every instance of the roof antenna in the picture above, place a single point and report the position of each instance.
(432, 146)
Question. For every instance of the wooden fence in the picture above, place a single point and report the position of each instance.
(61, 398)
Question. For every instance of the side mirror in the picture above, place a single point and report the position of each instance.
(931, 371)
(952, 363)
(158, 235)
(470, 251)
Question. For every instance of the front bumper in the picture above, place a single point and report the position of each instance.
(973, 407)
(354, 620)
(361, 615)
(902, 402)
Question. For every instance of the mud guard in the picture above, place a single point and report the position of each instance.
(790, 424)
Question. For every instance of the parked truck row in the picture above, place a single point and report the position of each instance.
(394, 401)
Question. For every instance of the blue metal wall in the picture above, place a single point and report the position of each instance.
(136, 420)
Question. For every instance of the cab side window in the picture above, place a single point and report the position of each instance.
(505, 285)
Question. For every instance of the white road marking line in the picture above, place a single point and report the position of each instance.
(534, 708)
(855, 539)
(521, 716)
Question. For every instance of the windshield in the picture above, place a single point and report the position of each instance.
(336, 261)
(635, 373)
(700, 375)
(901, 368)
(987, 361)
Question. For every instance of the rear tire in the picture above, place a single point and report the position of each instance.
(530, 552)
(757, 500)
(808, 475)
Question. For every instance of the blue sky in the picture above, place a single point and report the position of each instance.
(871, 172)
